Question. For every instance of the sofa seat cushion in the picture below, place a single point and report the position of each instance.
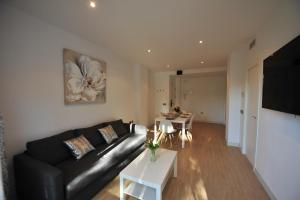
(51, 150)
(80, 173)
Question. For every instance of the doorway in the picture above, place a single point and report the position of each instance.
(252, 113)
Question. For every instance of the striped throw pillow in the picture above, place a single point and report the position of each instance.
(108, 133)
(79, 146)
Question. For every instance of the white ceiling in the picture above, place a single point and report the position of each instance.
(170, 28)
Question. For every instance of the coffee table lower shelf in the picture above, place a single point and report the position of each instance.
(140, 191)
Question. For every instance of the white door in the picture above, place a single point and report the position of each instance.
(252, 110)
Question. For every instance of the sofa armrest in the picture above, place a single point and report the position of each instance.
(36, 180)
(140, 129)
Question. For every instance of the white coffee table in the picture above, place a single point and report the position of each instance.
(147, 178)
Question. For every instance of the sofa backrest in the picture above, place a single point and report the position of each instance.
(51, 149)
(92, 134)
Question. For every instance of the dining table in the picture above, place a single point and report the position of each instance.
(182, 119)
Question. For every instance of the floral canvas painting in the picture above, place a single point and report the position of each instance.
(84, 78)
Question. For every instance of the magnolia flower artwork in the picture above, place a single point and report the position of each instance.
(84, 78)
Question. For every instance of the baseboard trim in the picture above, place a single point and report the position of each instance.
(232, 144)
(210, 122)
(265, 186)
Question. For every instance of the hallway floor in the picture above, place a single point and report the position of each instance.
(207, 170)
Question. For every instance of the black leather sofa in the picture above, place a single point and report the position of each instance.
(47, 170)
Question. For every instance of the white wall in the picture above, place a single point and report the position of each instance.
(31, 81)
(160, 87)
(142, 91)
(161, 91)
(205, 96)
(235, 87)
(278, 142)
(278, 160)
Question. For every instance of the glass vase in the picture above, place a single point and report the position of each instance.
(152, 155)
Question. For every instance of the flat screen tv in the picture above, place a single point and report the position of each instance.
(281, 85)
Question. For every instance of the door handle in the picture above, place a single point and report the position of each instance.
(253, 117)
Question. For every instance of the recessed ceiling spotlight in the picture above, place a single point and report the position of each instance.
(202, 62)
(93, 3)
(200, 42)
(149, 50)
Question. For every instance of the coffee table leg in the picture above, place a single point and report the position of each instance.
(122, 195)
(183, 135)
(175, 167)
(158, 193)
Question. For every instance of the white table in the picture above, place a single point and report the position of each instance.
(178, 120)
(148, 178)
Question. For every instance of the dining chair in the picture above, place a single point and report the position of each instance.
(188, 129)
(189, 126)
(166, 129)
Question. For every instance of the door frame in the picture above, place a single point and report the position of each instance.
(259, 105)
(171, 91)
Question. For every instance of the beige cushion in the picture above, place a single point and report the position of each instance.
(79, 146)
(108, 133)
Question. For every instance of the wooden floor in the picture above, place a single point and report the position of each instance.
(207, 170)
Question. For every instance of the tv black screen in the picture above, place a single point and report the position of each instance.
(281, 85)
